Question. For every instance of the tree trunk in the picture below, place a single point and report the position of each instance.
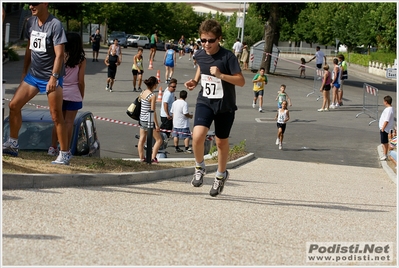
(270, 29)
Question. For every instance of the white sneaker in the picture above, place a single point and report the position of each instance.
(383, 158)
(332, 106)
(337, 105)
(326, 110)
(63, 158)
(11, 148)
(320, 110)
(280, 146)
(277, 141)
(253, 105)
(107, 87)
(53, 151)
(260, 110)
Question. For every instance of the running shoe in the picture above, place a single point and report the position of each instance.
(63, 158)
(218, 185)
(178, 150)
(253, 105)
(107, 87)
(53, 151)
(110, 89)
(277, 141)
(260, 110)
(198, 177)
(280, 146)
(320, 110)
(188, 151)
(10, 148)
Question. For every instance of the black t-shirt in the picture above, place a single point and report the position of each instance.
(227, 63)
(97, 39)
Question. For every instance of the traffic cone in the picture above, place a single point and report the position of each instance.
(150, 66)
(160, 95)
(159, 76)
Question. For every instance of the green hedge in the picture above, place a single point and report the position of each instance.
(361, 59)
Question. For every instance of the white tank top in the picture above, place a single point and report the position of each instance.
(282, 116)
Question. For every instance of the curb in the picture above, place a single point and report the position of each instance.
(27, 181)
(391, 174)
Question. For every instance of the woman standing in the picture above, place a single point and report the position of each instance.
(74, 86)
(169, 61)
(325, 88)
(244, 56)
(148, 102)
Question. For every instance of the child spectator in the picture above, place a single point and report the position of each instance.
(181, 123)
(282, 116)
(259, 80)
(282, 96)
(196, 48)
(386, 124)
(302, 67)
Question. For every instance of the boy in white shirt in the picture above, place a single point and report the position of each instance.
(181, 123)
(386, 124)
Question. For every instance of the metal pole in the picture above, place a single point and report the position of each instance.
(149, 137)
(243, 23)
(7, 37)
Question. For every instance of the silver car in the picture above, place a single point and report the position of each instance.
(121, 36)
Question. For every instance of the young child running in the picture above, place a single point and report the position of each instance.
(282, 117)
(282, 96)
(303, 68)
(259, 80)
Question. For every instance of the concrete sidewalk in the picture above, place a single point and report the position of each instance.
(260, 219)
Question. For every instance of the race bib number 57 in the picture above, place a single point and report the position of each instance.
(211, 87)
(38, 41)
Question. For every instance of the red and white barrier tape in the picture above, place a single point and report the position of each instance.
(111, 120)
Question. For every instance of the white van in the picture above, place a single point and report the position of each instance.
(256, 55)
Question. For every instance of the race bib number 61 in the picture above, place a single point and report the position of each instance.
(38, 41)
(211, 87)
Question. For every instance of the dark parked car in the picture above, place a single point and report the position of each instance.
(121, 36)
(36, 129)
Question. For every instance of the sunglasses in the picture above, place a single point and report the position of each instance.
(210, 41)
(34, 4)
(173, 86)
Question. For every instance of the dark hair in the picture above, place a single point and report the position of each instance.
(261, 68)
(335, 60)
(388, 99)
(341, 57)
(151, 82)
(172, 80)
(183, 94)
(74, 50)
(211, 26)
(140, 48)
(284, 86)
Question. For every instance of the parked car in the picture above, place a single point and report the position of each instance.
(142, 41)
(121, 36)
(36, 130)
(131, 39)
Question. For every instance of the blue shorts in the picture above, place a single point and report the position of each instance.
(71, 105)
(170, 64)
(204, 116)
(336, 85)
(181, 133)
(40, 84)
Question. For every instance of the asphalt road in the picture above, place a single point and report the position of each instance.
(336, 137)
